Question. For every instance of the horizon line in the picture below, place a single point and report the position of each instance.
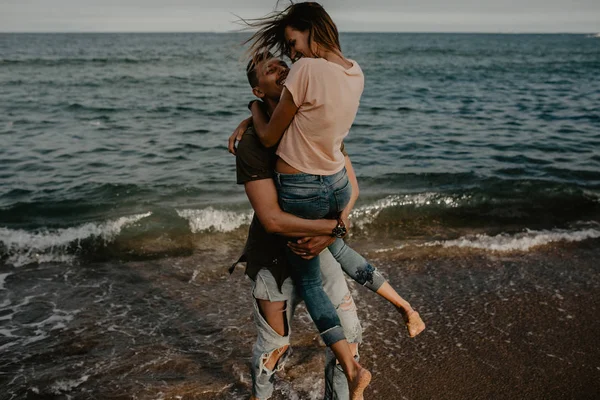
(248, 32)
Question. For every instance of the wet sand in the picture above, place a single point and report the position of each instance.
(500, 326)
(520, 326)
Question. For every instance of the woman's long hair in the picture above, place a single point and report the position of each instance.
(307, 16)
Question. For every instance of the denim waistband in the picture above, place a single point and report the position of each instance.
(302, 177)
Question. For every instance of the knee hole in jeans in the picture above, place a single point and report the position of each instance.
(270, 361)
(276, 308)
(347, 303)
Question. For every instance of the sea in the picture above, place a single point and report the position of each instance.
(119, 204)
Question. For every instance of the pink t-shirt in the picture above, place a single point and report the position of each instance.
(327, 96)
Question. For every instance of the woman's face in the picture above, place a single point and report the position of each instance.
(297, 42)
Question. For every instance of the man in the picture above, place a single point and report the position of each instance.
(273, 291)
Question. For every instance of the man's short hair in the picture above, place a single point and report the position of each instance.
(251, 67)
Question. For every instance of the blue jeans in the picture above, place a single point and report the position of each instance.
(313, 197)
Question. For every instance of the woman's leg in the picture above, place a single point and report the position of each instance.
(307, 278)
(303, 196)
(306, 275)
(359, 269)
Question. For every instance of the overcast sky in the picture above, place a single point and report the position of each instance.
(349, 15)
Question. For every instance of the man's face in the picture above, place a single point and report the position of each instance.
(271, 76)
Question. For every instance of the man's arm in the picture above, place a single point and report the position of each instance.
(263, 197)
(270, 131)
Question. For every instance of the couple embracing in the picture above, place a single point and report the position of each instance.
(300, 182)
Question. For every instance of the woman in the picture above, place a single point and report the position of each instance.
(317, 108)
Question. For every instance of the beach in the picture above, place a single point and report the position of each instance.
(512, 325)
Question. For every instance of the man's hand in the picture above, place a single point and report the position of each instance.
(236, 136)
(310, 247)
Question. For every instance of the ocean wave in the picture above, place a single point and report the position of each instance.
(416, 216)
(523, 241)
(211, 219)
(20, 247)
(367, 214)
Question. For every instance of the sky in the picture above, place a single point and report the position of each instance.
(507, 16)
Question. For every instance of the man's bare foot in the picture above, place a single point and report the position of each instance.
(414, 323)
(359, 383)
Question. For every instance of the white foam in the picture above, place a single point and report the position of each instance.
(385, 250)
(3, 279)
(50, 245)
(56, 320)
(67, 385)
(522, 241)
(211, 219)
(7, 333)
(593, 194)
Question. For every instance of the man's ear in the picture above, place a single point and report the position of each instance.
(258, 93)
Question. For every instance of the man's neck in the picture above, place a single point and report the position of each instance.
(271, 104)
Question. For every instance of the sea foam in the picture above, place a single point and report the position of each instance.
(211, 219)
(24, 247)
(523, 241)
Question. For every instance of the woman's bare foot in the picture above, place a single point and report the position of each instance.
(414, 323)
(359, 383)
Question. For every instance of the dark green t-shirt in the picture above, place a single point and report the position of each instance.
(263, 250)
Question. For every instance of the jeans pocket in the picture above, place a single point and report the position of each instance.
(342, 196)
(309, 208)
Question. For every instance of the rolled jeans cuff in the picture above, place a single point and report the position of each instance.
(333, 335)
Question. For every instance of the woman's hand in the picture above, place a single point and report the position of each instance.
(236, 136)
(311, 247)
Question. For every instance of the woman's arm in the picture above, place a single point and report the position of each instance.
(270, 131)
(355, 191)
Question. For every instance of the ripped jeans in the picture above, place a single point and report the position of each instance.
(268, 341)
(313, 197)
